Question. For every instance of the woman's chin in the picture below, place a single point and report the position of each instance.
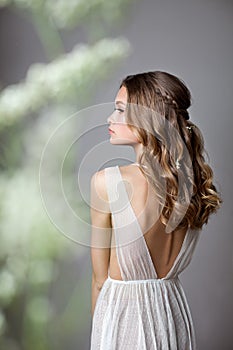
(119, 141)
(115, 141)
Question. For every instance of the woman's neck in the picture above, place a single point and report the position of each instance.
(138, 148)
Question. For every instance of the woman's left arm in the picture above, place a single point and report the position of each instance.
(101, 231)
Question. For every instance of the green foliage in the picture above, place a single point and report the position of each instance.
(65, 79)
(32, 253)
(67, 14)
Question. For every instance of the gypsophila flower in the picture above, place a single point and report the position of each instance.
(61, 79)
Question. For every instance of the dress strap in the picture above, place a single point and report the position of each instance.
(123, 218)
(117, 195)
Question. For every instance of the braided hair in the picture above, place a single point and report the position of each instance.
(169, 98)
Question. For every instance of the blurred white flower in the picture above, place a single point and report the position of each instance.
(39, 309)
(62, 79)
(7, 287)
(67, 14)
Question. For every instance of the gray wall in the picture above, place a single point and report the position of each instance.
(192, 39)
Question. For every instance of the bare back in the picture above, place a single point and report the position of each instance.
(163, 247)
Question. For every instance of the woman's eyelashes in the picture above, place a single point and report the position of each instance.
(119, 109)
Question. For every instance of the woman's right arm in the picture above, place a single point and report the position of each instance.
(101, 234)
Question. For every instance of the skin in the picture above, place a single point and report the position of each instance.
(164, 248)
(100, 211)
(122, 134)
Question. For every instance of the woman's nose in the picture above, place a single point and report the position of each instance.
(110, 119)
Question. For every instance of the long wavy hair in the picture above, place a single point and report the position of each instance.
(171, 140)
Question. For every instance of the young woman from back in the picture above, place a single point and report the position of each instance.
(147, 217)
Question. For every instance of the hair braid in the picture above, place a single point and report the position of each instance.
(169, 98)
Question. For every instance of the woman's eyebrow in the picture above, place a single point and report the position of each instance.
(120, 103)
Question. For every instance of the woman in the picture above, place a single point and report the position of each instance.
(154, 210)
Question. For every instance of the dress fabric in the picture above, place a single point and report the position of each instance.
(141, 312)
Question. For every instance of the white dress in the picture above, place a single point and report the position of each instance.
(141, 312)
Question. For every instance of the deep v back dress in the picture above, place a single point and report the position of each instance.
(141, 311)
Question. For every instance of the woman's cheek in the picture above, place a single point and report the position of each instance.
(127, 133)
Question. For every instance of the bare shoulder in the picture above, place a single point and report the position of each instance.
(98, 184)
(132, 172)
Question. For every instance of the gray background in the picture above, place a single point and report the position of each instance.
(193, 40)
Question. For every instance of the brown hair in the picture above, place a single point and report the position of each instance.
(168, 97)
